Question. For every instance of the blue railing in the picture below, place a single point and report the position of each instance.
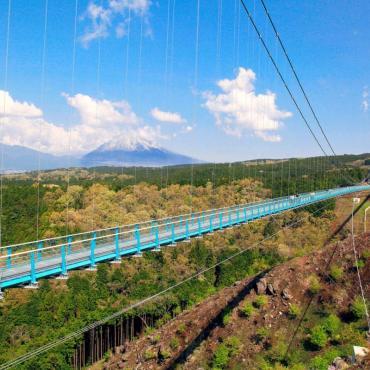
(27, 262)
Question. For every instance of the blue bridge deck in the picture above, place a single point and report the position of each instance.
(26, 263)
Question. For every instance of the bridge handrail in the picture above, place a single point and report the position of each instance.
(137, 224)
(200, 214)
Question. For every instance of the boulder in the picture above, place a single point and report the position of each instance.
(261, 286)
(285, 294)
(270, 289)
(338, 364)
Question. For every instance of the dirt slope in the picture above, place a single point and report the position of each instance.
(190, 340)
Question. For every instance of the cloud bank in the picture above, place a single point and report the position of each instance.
(238, 109)
(100, 121)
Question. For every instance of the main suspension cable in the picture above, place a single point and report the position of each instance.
(280, 75)
(77, 333)
(296, 75)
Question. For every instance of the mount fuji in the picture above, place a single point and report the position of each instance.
(116, 153)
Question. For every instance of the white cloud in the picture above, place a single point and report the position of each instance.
(102, 17)
(14, 108)
(104, 112)
(365, 99)
(168, 117)
(101, 121)
(239, 109)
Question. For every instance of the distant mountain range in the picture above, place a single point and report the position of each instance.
(19, 158)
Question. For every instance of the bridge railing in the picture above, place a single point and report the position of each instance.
(68, 239)
(112, 243)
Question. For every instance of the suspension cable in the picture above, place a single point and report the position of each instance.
(6, 67)
(69, 129)
(43, 65)
(357, 269)
(106, 319)
(280, 75)
(296, 75)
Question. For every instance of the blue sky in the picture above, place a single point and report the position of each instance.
(150, 88)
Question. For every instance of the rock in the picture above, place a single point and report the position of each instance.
(285, 294)
(261, 286)
(121, 365)
(338, 364)
(359, 353)
(271, 289)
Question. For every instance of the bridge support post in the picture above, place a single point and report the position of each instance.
(229, 217)
(238, 215)
(33, 271)
(138, 242)
(116, 243)
(187, 235)
(211, 223)
(157, 245)
(220, 220)
(69, 241)
(245, 214)
(64, 263)
(199, 227)
(173, 241)
(39, 250)
(92, 252)
(9, 257)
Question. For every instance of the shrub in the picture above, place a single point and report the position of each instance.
(314, 286)
(294, 311)
(298, 367)
(225, 351)
(181, 328)
(221, 356)
(226, 319)
(155, 339)
(332, 325)
(361, 264)
(260, 301)
(278, 352)
(149, 355)
(177, 310)
(261, 334)
(366, 254)
(323, 361)
(349, 334)
(165, 318)
(233, 343)
(174, 343)
(357, 308)
(318, 337)
(336, 273)
(165, 353)
(247, 309)
(149, 330)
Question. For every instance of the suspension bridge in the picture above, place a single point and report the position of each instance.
(25, 264)
(28, 262)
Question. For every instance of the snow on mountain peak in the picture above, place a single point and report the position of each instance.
(129, 143)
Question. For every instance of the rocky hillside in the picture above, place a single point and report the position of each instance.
(303, 314)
